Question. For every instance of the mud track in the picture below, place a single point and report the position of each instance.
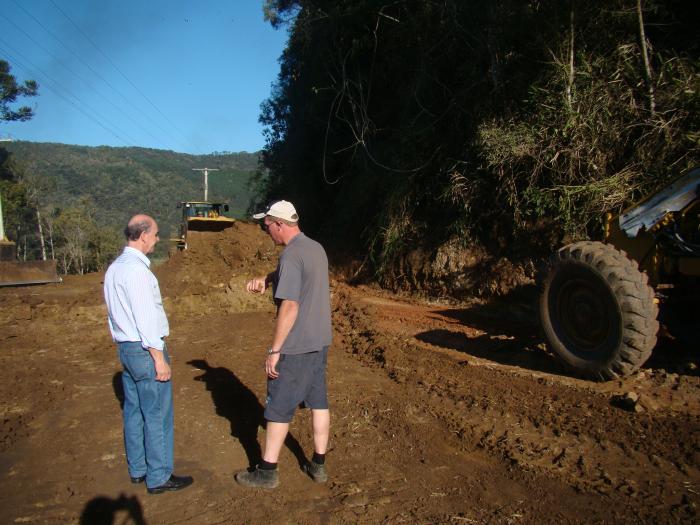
(441, 414)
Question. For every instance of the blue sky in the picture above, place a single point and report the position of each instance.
(178, 75)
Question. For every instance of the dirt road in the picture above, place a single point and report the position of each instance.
(441, 414)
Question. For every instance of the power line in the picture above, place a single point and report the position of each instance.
(123, 75)
(38, 22)
(54, 80)
(79, 77)
(65, 98)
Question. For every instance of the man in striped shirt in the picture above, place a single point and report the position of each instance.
(139, 326)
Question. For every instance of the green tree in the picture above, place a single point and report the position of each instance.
(76, 228)
(10, 91)
(17, 216)
(105, 245)
(403, 126)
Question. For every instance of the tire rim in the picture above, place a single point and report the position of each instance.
(588, 316)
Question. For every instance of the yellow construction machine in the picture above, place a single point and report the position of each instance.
(17, 273)
(599, 301)
(201, 216)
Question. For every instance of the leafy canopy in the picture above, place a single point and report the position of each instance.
(10, 91)
(399, 127)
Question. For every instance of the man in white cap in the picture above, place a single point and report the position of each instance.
(296, 360)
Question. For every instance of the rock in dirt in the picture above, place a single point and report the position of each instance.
(628, 401)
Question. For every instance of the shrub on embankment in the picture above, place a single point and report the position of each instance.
(410, 131)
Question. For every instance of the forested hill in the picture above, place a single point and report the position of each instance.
(120, 181)
(103, 186)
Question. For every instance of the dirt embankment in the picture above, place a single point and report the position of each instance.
(209, 275)
(441, 414)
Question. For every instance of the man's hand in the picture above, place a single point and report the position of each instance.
(256, 285)
(271, 366)
(163, 372)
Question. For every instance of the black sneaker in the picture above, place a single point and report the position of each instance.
(266, 479)
(315, 471)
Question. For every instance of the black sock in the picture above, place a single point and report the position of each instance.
(264, 465)
(319, 459)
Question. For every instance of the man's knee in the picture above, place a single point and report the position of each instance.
(320, 417)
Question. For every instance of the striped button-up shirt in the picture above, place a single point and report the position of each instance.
(133, 300)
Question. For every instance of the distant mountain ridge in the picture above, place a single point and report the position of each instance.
(124, 181)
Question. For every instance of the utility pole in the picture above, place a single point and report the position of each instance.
(206, 179)
(2, 224)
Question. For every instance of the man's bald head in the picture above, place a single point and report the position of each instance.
(142, 233)
(137, 225)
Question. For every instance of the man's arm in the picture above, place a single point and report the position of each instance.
(286, 317)
(143, 307)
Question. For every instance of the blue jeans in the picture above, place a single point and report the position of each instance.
(148, 416)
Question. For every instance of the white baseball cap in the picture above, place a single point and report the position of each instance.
(281, 210)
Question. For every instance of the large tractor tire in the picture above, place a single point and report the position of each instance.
(598, 311)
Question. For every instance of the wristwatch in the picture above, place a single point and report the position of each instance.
(270, 351)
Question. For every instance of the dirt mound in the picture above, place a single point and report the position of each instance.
(457, 271)
(211, 257)
(213, 270)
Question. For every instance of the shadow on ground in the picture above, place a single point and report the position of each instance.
(511, 333)
(237, 403)
(103, 510)
(513, 336)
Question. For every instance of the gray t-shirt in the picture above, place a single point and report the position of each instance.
(302, 276)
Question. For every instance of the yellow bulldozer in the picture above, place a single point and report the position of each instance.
(599, 301)
(19, 273)
(201, 216)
